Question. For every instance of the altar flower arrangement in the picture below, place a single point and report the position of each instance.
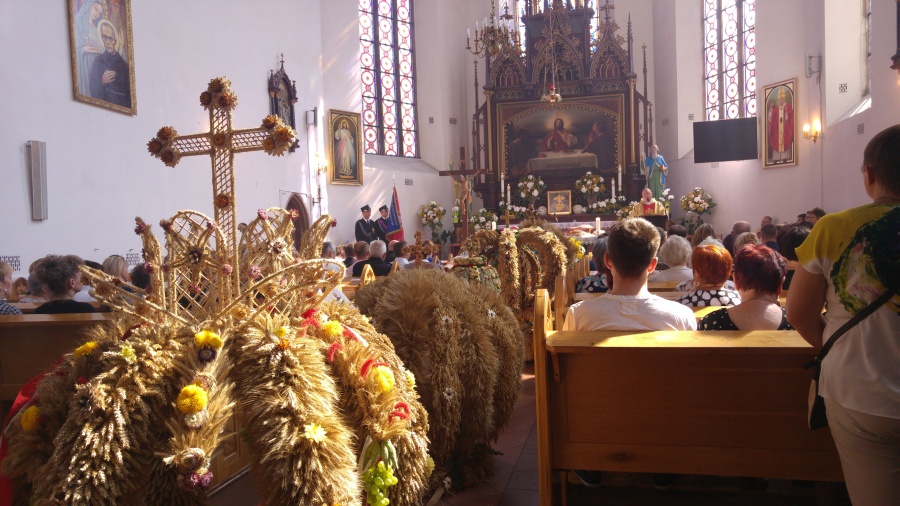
(483, 219)
(699, 201)
(514, 210)
(607, 206)
(530, 189)
(589, 185)
(696, 204)
(431, 214)
(624, 211)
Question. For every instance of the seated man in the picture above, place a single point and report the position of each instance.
(647, 205)
(631, 257)
(377, 251)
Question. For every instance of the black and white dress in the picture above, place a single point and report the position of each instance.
(720, 320)
(704, 298)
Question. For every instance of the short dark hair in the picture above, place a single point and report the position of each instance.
(677, 230)
(632, 245)
(55, 271)
(348, 251)
(758, 267)
(768, 231)
(792, 238)
(140, 277)
(398, 248)
(882, 154)
(361, 249)
(818, 211)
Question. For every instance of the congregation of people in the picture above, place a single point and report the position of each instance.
(845, 262)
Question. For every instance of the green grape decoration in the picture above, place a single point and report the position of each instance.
(378, 464)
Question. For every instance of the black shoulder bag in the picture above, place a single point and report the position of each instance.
(817, 418)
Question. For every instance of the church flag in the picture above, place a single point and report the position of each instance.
(394, 221)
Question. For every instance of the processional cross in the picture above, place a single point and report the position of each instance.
(463, 178)
(221, 143)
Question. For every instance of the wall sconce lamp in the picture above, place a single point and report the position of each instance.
(812, 133)
(312, 117)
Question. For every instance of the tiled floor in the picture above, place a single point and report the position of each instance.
(515, 482)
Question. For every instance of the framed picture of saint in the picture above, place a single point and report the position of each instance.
(779, 127)
(344, 147)
(102, 53)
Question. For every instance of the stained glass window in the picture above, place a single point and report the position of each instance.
(730, 58)
(390, 126)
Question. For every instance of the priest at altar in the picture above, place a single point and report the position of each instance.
(647, 205)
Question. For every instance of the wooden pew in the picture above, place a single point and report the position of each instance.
(662, 286)
(716, 403)
(29, 344)
(29, 307)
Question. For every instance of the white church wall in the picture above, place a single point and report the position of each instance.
(438, 96)
(99, 174)
(845, 27)
(827, 171)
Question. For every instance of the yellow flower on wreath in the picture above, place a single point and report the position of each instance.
(85, 349)
(192, 399)
(333, 329)
(207, 338)
(384, 378)
(315, 432)
(31, 418)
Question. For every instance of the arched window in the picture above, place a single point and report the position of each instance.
(388, 65)
(729, 35)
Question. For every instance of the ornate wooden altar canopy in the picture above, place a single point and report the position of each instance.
(605, 121)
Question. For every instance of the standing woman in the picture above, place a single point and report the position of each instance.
(849, 260)
(657, 168)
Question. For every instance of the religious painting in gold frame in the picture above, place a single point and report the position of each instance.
(102, 53)
(589, 126)
(559, 202)
(780, 125)
(344, 148)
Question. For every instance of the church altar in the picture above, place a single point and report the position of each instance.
(607, 122)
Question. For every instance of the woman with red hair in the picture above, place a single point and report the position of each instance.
(712, 266)
(758, 274)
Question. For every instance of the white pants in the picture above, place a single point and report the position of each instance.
(869, 447)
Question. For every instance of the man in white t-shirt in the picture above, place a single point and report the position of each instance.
(631, 256)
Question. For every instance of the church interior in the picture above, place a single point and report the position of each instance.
(219, 146)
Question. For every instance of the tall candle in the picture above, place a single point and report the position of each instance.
(619, 179)
(502, 179)
(597, 223)
(614, 191)
(508, 196)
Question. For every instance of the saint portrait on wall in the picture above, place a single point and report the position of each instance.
(346, 151)
(779, 125)
(102, 55)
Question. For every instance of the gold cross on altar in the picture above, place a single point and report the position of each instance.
(221, 143)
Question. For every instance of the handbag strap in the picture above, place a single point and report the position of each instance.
(875, 304)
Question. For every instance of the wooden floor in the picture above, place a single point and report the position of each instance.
(515, 480)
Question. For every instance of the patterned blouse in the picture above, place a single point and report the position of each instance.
(704, 298)
(592, 284)
(8, 309)
(720, 320)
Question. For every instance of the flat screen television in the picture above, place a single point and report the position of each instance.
(726, 140)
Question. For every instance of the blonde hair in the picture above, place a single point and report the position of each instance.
(5, 270)
(115, 265)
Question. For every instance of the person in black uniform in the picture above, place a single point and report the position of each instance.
(365, 228)
(381, 224)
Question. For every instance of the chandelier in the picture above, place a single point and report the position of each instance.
(493, 38)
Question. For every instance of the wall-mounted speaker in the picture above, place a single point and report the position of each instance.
(37, 172)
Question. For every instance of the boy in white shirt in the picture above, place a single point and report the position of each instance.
(631, 256)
